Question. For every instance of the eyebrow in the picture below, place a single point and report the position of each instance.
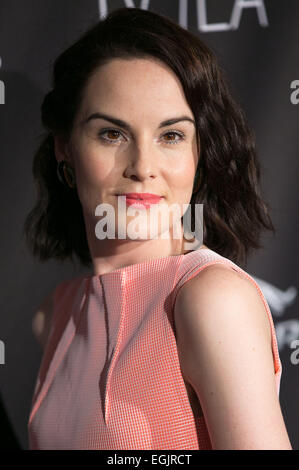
(125, 125)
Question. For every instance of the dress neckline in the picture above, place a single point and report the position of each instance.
(133, 266)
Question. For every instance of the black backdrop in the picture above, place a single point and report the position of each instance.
(258, 46)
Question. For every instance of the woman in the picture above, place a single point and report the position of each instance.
(135, 356)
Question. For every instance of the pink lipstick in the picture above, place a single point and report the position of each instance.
(141, 200)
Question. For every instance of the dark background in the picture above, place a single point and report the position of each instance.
(260, 62)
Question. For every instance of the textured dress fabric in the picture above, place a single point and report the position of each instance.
(110, 375)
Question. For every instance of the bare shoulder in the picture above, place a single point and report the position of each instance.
(217, 276)
(218, 288)
(224, 347)
(219, 297)
(41, 321)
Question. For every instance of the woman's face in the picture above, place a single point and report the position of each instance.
(133, 149)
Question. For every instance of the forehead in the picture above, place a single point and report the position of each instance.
(134, 81)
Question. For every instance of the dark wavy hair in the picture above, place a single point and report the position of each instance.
(234, 211)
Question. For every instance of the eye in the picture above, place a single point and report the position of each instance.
(113, 135)
(175, 134)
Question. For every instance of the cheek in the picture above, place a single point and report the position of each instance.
(93, 178)
(93, 169)
(182, 181)
(183, 174)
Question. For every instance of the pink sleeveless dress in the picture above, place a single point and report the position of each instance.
(110, 375)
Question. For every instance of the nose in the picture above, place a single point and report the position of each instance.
(141, 162)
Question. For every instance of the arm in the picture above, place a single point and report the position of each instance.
(224, 347)
(41, 321)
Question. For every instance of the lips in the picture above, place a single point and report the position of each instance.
(141, 200)
(142, 196)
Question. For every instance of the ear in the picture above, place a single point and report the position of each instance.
(61, 149)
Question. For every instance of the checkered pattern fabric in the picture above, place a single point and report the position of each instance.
(110, 376)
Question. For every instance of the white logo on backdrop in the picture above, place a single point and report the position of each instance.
(202, 21)
(277, 299)
(287, 332)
